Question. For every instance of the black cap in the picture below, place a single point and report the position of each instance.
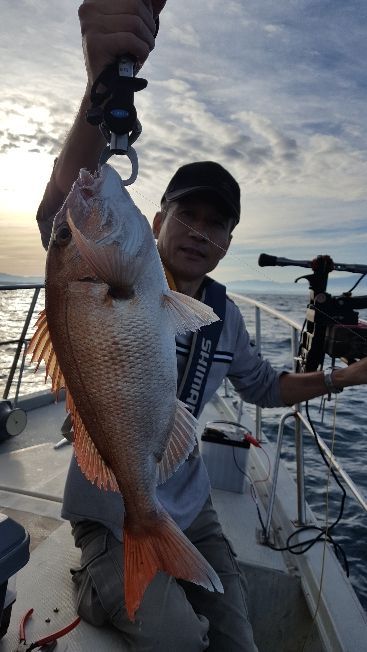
(206, 176)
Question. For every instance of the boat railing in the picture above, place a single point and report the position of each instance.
(18, 363)
(299, 420)
(21, 342)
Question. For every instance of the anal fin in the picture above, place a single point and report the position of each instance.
(89, 459)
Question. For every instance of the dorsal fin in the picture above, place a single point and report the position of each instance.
(40, 346)
(86, 453)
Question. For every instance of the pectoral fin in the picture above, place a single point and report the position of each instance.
(181, 443)
(186, 313)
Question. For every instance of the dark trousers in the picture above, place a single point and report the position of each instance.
(174, 616)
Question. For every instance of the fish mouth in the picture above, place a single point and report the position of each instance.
(91, 279)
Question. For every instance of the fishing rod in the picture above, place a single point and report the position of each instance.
(265, 260)
(332, 325)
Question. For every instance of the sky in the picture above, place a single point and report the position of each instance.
(274, 91)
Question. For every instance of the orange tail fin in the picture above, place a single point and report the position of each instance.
(163, 548)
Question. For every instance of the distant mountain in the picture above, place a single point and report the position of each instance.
(10, 279)
(335, 286)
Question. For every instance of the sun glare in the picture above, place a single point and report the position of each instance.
(23, 176)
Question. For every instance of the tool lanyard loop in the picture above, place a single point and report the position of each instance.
(113, 110)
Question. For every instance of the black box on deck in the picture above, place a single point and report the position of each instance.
(14, 554)
(225, 459)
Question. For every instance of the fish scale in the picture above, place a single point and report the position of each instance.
(130, 363)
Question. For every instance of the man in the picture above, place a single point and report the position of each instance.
(199, 210)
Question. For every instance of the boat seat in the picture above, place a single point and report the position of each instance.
(45, 584)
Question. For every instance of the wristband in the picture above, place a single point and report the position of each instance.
(329, 381)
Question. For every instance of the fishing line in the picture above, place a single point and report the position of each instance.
(328, 464)
(324, 533)
(252, 484)
(357, 283)
(259, 271)
(326, 528)
(201, 235)
(233, 256)
(230, 255)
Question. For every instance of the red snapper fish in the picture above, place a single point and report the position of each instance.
(107, 335)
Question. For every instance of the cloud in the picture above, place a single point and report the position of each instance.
(274, 91)
(184, 35)
(30, 127)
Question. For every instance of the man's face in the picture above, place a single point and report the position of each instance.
(192, 237)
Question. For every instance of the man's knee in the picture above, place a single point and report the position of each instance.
(99, 584)
(165, 620)
(88, 604)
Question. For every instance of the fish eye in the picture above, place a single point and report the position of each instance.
(63, 235)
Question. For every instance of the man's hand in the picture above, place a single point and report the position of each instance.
(111, 28)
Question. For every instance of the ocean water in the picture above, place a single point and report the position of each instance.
(350, 444)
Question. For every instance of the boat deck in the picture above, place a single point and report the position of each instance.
(32, 476)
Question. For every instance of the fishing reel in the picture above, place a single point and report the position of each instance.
(332, 325)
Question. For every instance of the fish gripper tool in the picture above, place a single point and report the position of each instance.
(114, 112)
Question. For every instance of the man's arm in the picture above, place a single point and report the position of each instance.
(295, 388)
(258, 382)
(109, 29)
